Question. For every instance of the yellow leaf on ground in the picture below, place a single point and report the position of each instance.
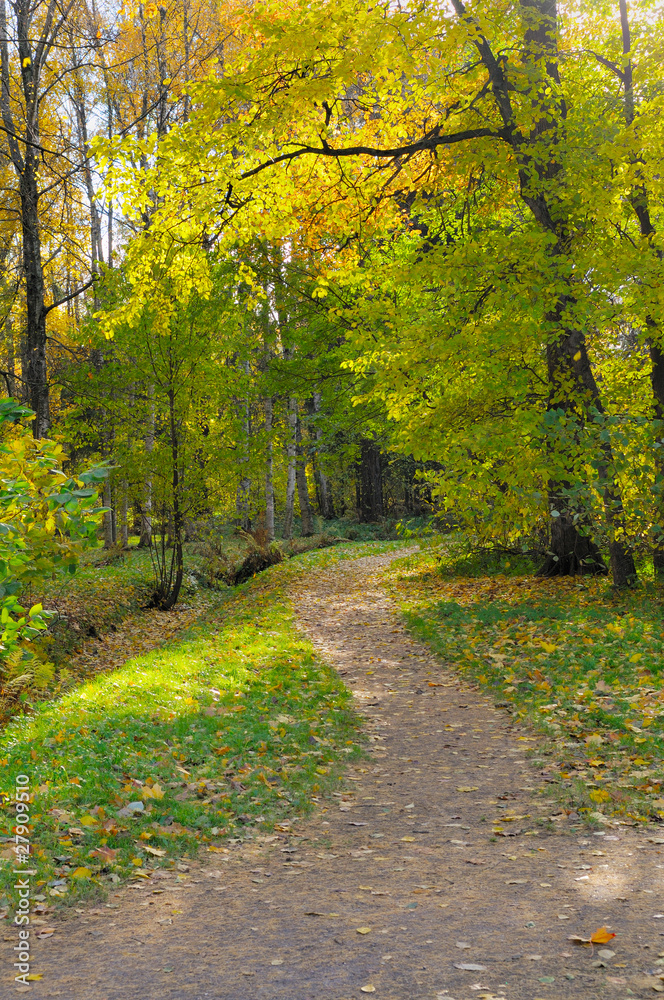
(81, 873)
(601, 936)
(467, 788)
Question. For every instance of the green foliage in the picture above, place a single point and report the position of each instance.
(48, 519)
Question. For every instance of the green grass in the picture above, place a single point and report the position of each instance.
(580, 664)
(237, 726)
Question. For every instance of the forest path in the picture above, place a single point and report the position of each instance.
(395, 885)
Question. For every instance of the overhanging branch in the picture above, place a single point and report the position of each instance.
(422, 145)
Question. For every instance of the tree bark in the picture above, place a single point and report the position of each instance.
(269, 463)
(291, 451)
(369, 473)
(572, 386)
(244, 486)
(325, 505)
(145, 539)
(306, 516)
(640, 203)
(108, 516)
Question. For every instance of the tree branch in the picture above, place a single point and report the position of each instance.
(408, 149)
(609, 65)
(73, 295)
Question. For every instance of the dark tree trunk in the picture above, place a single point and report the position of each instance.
(570, 551)
(36, 374)
(306, 516)
(640, 202)
(323, 496)
(657, 381)
(370, 482)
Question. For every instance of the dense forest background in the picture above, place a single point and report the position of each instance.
(275, 266)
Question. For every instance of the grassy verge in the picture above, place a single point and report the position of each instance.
(226, 732)
(579, 663)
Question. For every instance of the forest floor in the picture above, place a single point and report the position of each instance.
(442, 870)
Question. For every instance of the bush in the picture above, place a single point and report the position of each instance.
(47, 521)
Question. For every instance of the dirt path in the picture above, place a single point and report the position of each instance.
(396, 884)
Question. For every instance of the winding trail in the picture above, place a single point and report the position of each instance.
(399, 881)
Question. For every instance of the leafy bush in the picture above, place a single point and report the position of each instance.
(47, 519)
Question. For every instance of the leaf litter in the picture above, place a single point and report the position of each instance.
(411, 758)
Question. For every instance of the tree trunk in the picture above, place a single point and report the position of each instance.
(291, 449)
(124, 518)
(269, 462)
(325, 505)
(657, 382)
(640, 203)
(176, 573)
(538, 148)
(145, 539)
(370, 482)
(306, 516)
(36, 374)
(244, 487)
(108, 516)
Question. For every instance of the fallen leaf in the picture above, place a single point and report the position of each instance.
(157, 851)
(601, 936)
(467, 788)
(470, 967)
(409, 840)
(363, 930)
(81, 873)
(368, 988)
(107, 853)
